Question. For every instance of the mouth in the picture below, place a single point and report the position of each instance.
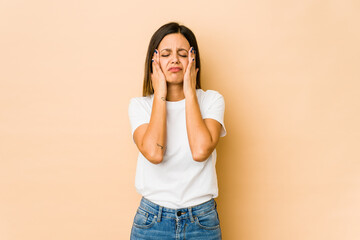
(175, 69)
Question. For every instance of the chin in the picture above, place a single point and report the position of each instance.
(175, 80)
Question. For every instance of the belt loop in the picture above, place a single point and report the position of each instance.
(191, 215)
(159, 214)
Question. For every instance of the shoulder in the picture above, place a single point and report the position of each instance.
(141, 102)
(208, 96)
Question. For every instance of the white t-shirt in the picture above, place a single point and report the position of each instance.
(178, 181)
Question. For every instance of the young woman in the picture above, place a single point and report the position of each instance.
(176, 126)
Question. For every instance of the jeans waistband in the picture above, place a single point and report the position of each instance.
(181, 213)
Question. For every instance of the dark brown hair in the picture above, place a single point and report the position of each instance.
(172, 27)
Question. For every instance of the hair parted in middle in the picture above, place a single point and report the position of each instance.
(169, 28)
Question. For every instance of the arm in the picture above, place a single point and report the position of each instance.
(151, 138)
(203, 134)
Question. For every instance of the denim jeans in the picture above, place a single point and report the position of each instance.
(154, 222)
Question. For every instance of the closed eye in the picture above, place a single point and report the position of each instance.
(179, 55)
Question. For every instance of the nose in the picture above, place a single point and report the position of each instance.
(175, 58)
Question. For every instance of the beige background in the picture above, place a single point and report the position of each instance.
(289, 168)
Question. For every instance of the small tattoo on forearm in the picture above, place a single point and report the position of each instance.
(162, 98)
(160, 146)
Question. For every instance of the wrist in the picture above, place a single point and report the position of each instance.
(160, 95)
(190, 93)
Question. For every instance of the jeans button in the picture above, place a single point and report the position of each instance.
(178, 213)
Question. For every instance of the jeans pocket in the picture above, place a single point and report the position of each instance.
(209, 220)
(144, 219)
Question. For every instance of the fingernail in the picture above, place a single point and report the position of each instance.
(155, 51)
(152, 60)
(193, 59)
(194, 51)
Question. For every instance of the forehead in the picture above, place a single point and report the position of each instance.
(174, 40)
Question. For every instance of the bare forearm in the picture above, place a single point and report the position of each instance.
(155, 136)
(200, 140)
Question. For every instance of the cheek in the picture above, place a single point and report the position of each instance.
(185, 63)
(163, 64)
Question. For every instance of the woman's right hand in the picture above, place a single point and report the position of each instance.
(157, 77)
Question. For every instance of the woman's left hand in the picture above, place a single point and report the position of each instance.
(190, 74)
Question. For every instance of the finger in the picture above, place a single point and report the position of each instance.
(158, 59)
(190, 54)
(189, 66)
(193, 53)
(192, 60)
(154, 55)
(157, 55)
(189, 59)
(155, 60)
(193, 65)
(152, 61)
(155, 66)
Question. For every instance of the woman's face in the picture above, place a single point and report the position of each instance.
(174, 49)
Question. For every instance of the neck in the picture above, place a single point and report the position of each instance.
(175, 92)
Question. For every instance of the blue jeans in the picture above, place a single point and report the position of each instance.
(200, 222)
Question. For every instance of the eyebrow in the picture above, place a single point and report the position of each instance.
(179, 49)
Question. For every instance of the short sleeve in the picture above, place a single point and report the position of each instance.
(138, 113)
(215, 108)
